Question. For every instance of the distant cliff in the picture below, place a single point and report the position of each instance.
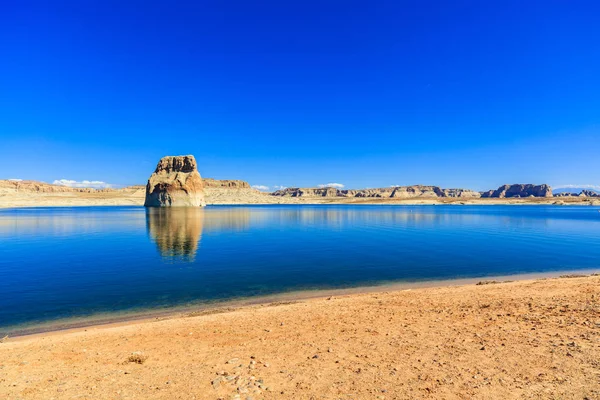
(519, 190)
(431, 191)
(421, 191)
(391, 192)
(225, 184)
(307, 192)
(583, 193)
(12, 186)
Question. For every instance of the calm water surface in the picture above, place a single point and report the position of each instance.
(58, 263)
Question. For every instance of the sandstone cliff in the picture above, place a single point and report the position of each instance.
(381, 192)
(519, 190)
(583, 193)
(589, 193)
(225, 184)
(391, 192)
(11, 186)
(233, 192)
(175, 183)
(463, 193)
(307, 192)
(7, 186)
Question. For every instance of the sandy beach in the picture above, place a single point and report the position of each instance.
(527, 339)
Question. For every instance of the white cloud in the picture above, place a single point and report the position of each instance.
(82, 184)
(15, 180)
(279, 187)
(332, 185)
(260, 187)
(576, 187)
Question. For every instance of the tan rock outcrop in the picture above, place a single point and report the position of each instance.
(391, 192)
(467, 193)
(175, 183)
(225, 184)
(37, 187)
(380, 192)
(519, 190)
(417, 191)
(589, 193)
(307, 192)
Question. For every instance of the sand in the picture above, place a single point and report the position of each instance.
(527, 339)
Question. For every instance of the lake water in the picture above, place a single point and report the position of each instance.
(61, 263)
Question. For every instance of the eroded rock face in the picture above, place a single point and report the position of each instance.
(520, 190)
(175, 183)
(589, 193)
(307, 192)
(461, 193)
(225, 184)
(12, 186)
(417, 191)
(381, 192)
(396, 192)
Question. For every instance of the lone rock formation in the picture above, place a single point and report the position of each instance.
(175, 183)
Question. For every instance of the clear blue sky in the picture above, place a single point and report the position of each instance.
(299, 93)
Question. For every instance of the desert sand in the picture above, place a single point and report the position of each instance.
(528, 339)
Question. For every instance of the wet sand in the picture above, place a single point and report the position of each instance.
(211, 306)
(526, 339)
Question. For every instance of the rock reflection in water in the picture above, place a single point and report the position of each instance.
(176, 231)
(230, 219)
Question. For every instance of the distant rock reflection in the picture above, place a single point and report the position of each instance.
(234, 219)
(176, 231)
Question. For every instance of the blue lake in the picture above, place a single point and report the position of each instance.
(60, 263)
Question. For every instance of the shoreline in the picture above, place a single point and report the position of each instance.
(232, 197)
(406, 203)
(520, 339)
(115, 319)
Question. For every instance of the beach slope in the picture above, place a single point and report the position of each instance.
(529, 339)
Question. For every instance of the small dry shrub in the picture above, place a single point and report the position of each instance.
(488, 283)
(137, 357)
